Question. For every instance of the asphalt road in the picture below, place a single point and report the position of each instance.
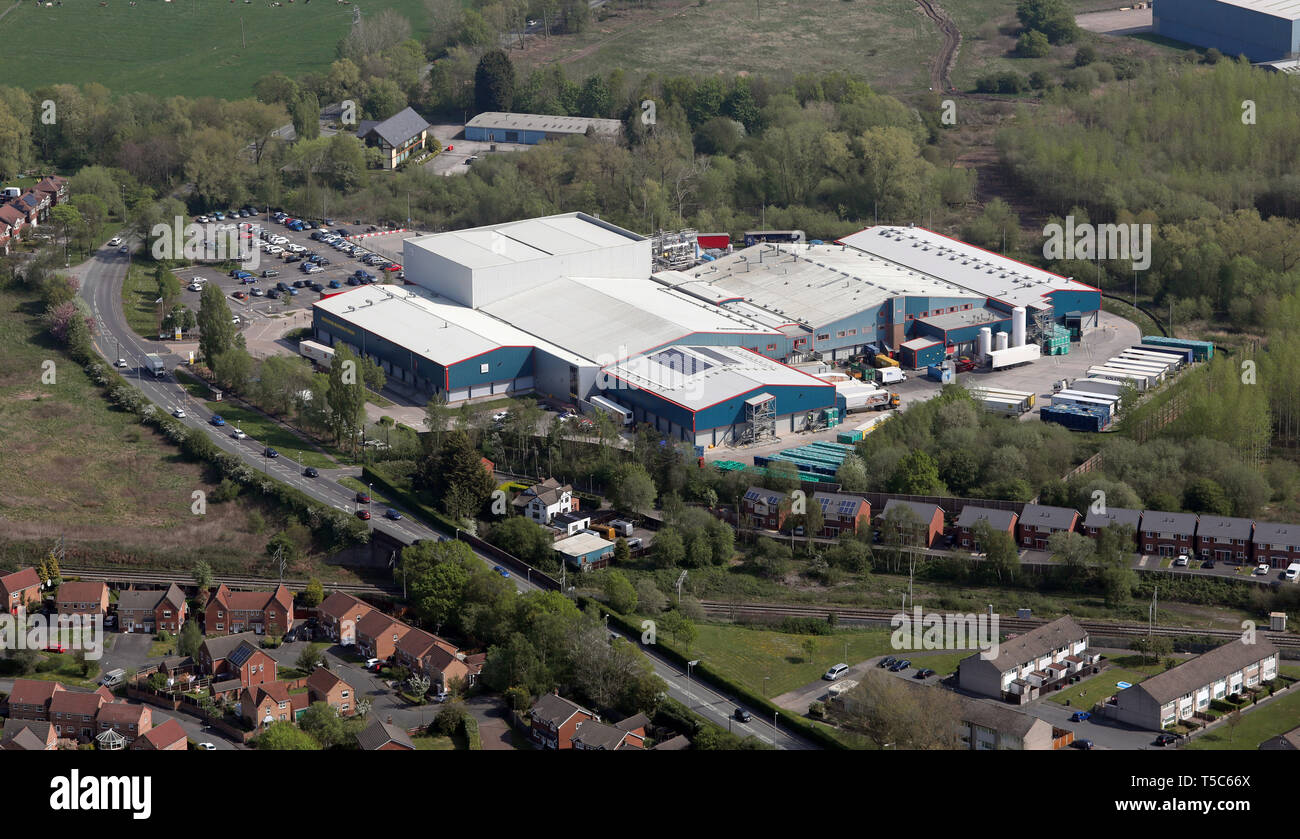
(101, 285)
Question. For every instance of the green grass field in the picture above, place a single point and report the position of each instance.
(1277, 717)
(187, 47)
(747, 655)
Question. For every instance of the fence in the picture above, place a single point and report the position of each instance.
(510, 561)
(1092, 464)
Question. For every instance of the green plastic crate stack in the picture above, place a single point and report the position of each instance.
(1058, 343)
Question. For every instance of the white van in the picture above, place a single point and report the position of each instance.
(835, 672)
(1293, 571)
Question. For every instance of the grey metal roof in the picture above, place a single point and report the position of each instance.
(1224, 528)
(1114, 515)
(1273, 533)
(1159, 521)
(999, 519)
(400, 127)
(1061, 518)
(1205, 668)
(549, 123)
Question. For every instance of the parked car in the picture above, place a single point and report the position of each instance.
(257, 292)
(364, 515)
(1166, 739)
(207, 747)
(270, 272)
(239, 295)
(900, 666)
(1181, 561)
(924, 673)
(1086, 745)
(502, 571)
(1262, 568)
(887, 661)
(835, 672)
(335, 284)
(1080, 716)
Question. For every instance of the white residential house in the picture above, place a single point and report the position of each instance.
(543, 502)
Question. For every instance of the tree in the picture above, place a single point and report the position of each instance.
(891, 712)
(622, 553)
(494, 82)
(650, 599)
(216, 332)
(1032, 44)
(1054, 18)
(1073, 550)
(619, 593)
(1204, 495)
(668, 550)
(345, 395)
(1000, 553)
(917, 474)
(190, 639)
(322, 721)
(202, 575)
(311, 657)
(285, 736)
(456, 475)
(313, 594)
(809, 648)
(852, 474)
(632, 490)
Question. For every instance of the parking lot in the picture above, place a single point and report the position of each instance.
(271, 293)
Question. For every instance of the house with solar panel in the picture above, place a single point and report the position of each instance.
(239, 657)
(765, 509)
(398, 138)
(842, 514)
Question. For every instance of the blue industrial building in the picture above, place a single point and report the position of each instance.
(1262, 30)
(530, 129)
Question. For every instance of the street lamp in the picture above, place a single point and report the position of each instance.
(689, 665)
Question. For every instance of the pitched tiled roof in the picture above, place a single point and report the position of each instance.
(1224, 528)
(1040, 515)
(19, 580)
(1158, 521)
(675, 744)
(923, 511)
(341, 605)
(377, 623)
(33, 691)
(123, 713)
(24, 741)
(400, 127)
(1273, 533)
(41, 728)
(162, 736)
(324, 681)
(81, 592)
(997, 519)
(150, 599)
(377, 734)
(68, 702)
(1205, 668)
(1113, 515)
(1036, 642)
(222, 646)
(598, 735)
(554, 709)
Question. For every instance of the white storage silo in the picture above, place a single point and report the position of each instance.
(1001, 341)
(1018, 326)
(985, 341)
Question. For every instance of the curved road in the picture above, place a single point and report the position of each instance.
(101, 285)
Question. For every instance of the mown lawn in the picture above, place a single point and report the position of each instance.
(1256, 725)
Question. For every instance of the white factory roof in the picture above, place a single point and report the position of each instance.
(429, 326)
(696, 377)
(972, 268)
(543, 122)
(581, 544)
(810, 284)
(1285, 9)
(520, 242)
(605, 320)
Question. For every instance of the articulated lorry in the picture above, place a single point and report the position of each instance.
(153, 364)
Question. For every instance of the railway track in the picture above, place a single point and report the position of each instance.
(244, 582)
(731, 611)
